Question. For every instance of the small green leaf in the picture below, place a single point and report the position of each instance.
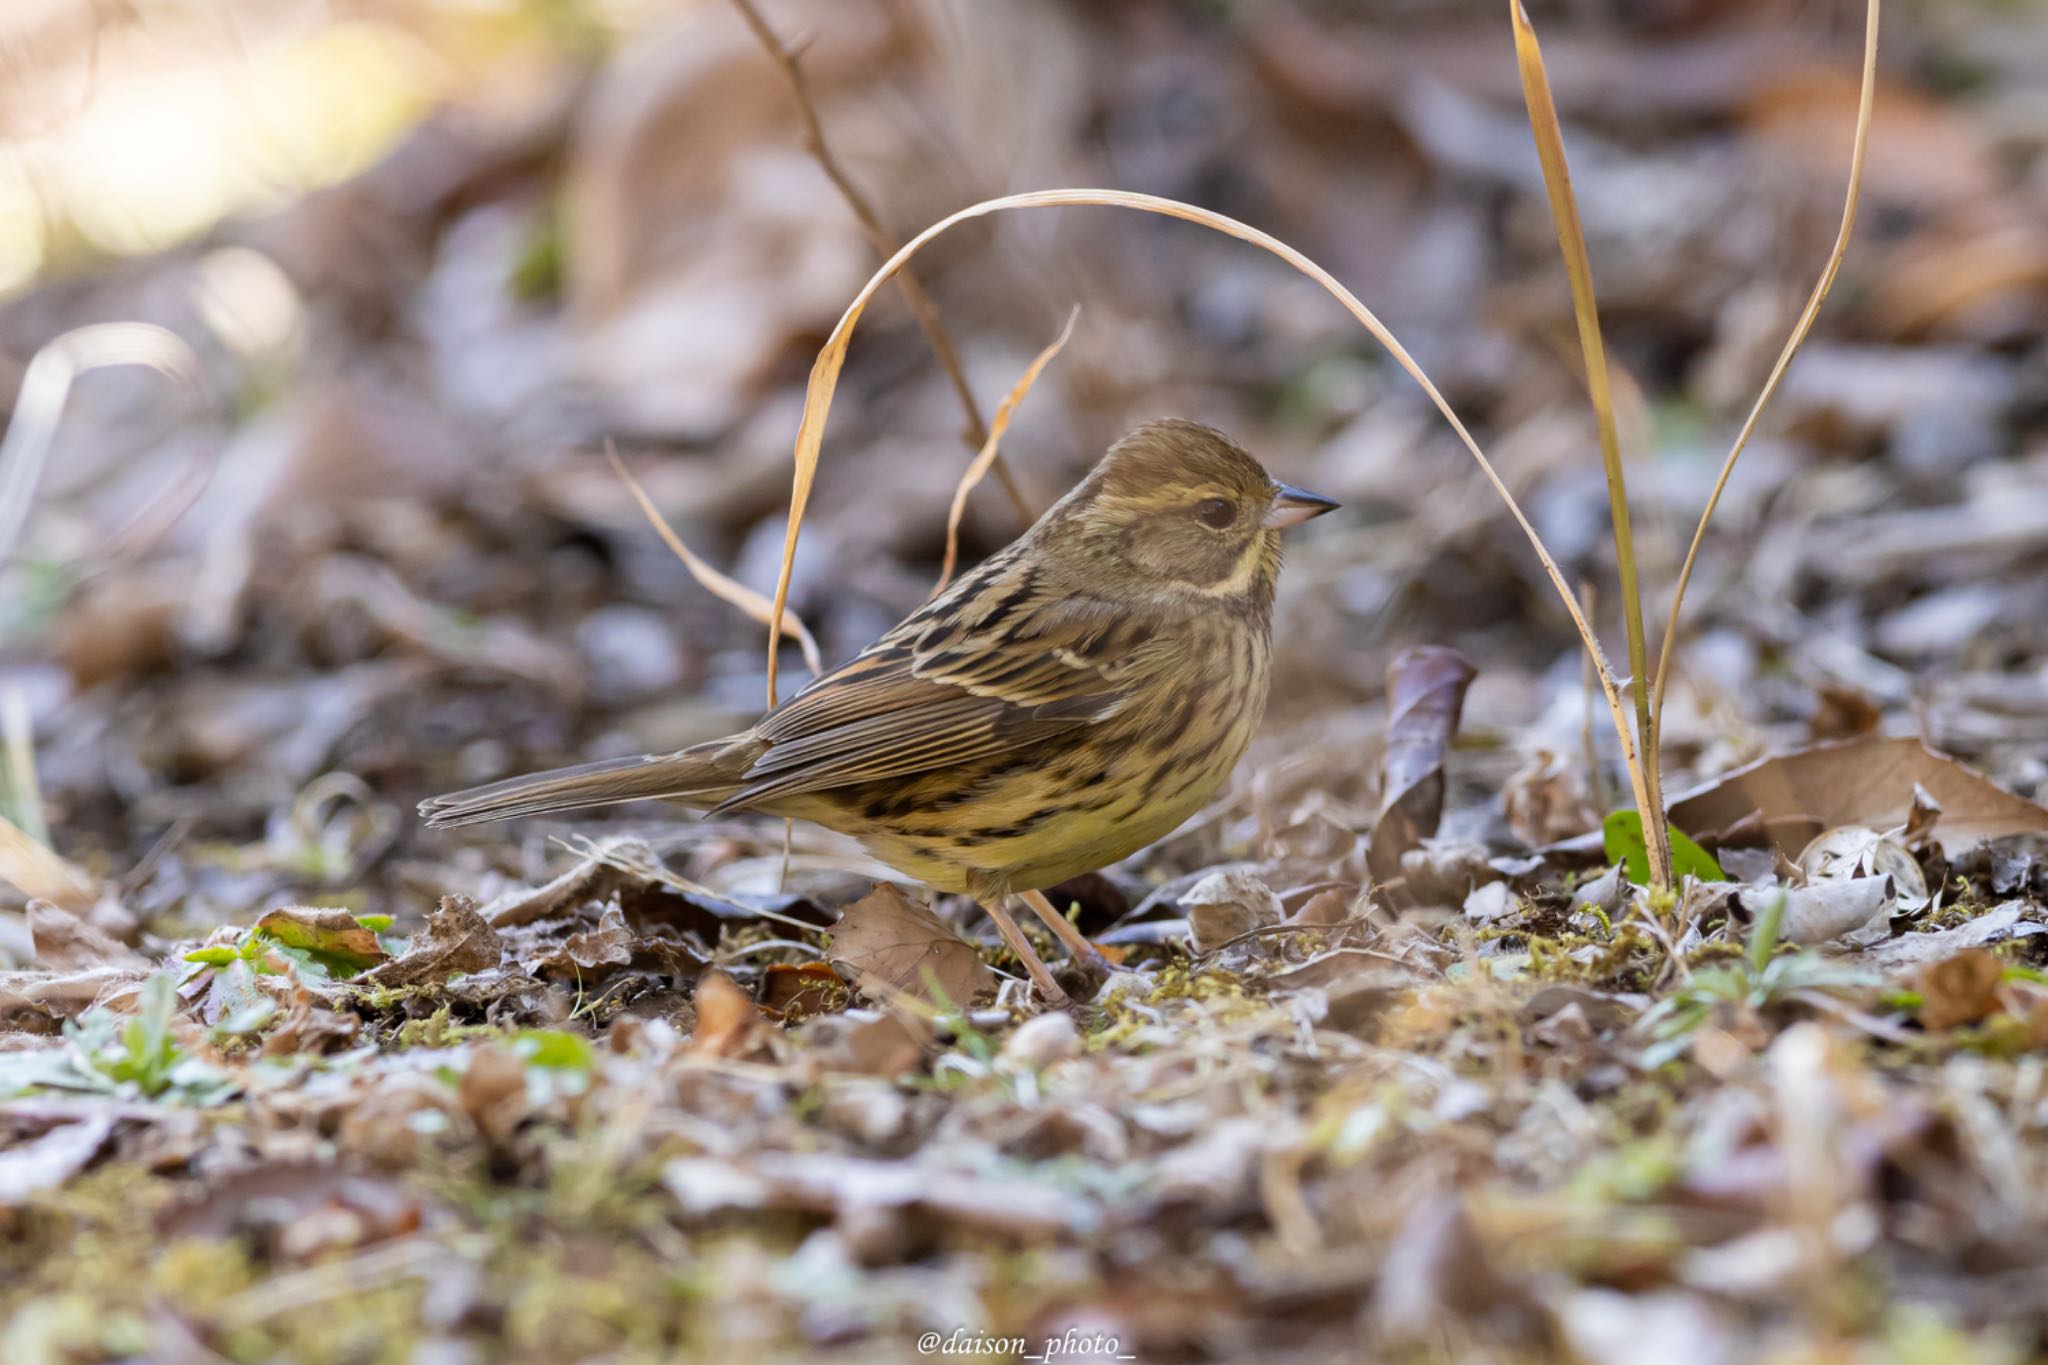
(1622, 833)
(555, 1049)
(213, 957)
(376, 924)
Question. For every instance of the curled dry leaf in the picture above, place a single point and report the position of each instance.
(728, 1022)
(1823, 910)
(1874, 782)
(889, 940)
(455, 939)
(1425, 696)
(610, 944)
(1852, 851)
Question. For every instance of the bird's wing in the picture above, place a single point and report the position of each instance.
(986, 670)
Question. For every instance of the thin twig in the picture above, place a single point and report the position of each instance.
(935, 334)
(1792, 345)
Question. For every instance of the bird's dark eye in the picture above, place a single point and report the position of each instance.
(1215, 513)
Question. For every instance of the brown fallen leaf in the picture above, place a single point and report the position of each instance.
(1225, 905)
(69, 994)
(801, 989)
(610, 944)
(1872, 782)
(333, 937)
(1546, 800)
(455, 939)
(66, 943)
(729, 1024)
(1425, 694)
(887, 938)
(494, 1093)
(1958, 990)
(884, 1045)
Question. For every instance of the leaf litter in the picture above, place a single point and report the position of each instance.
(1398, 1057)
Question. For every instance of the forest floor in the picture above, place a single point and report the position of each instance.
(1398, 1055)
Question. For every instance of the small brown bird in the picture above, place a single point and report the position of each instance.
(1075, 697)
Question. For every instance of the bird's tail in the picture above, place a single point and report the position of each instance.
(702, 775)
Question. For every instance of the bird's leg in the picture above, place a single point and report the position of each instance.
(1041, 976)
(1084, 954)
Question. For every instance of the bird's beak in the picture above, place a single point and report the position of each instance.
(1292, 506)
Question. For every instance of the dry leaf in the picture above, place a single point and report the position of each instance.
(610, 944)
(728, 1023)
(1425, 694)
(1870, 782)
(884, 1045)
(1546, 801)
(1852, 851)
(1226, 904)
(2014, 919)
(1958, 990)
(1824, 910)
(455, 939)
(887, 937)
(66, 943)
(801, 989)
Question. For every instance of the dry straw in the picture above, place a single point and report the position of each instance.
(725, 589)
(979, 466)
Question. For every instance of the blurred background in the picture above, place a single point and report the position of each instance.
(430, 256)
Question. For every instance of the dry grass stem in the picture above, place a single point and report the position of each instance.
(18, 782)
(921, 307)
(47, 385)
(986, 457)
(1644, 775)
(831, 359)
(725, 589)
(1793, 342)
(39, 874)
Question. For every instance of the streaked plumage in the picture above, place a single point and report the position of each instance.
(1069, 701)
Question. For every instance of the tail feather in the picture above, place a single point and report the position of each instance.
(702, 775)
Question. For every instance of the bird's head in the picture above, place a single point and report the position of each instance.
(1179, 509)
